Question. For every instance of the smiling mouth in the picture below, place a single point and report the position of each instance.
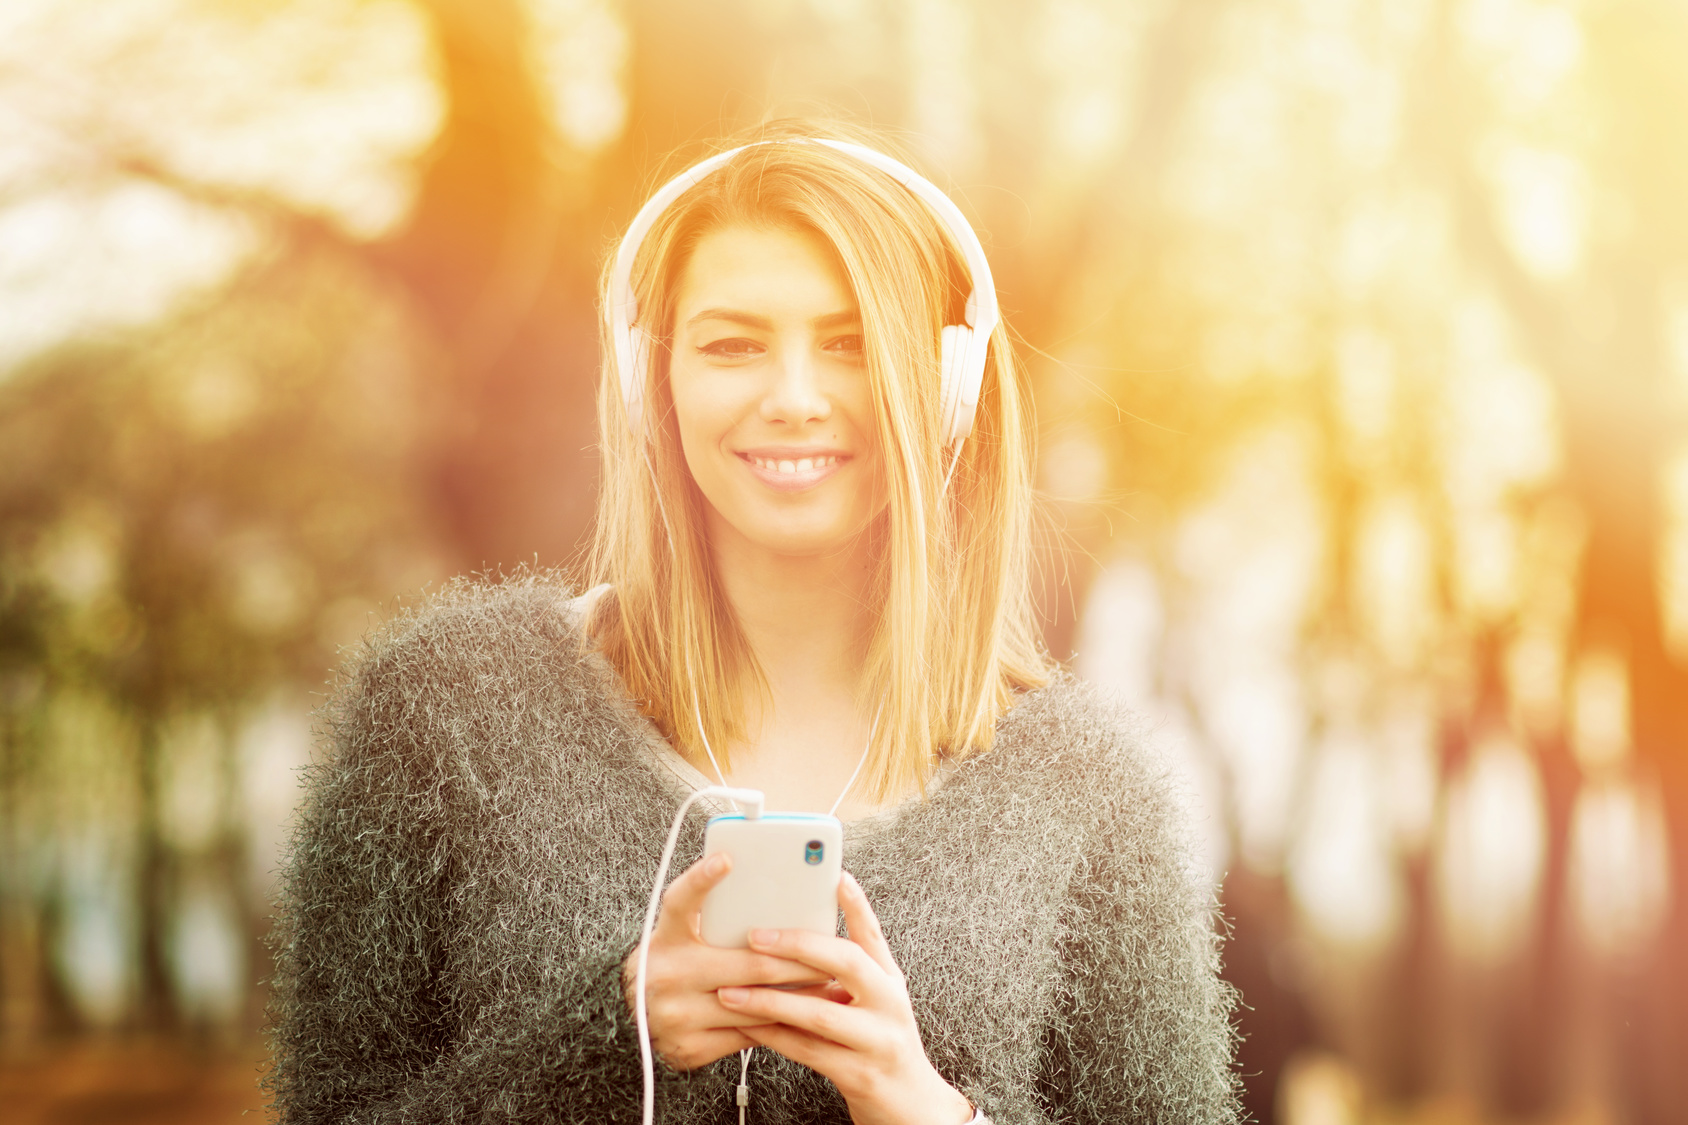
(792, 467)
(793, 474)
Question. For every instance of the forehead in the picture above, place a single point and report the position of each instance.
(766, 270)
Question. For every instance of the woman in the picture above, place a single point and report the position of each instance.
(811, 572)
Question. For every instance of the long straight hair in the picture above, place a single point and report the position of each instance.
(954, 640)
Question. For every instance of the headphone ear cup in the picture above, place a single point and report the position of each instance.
(954, 343)
(969, 377)
(639, 377)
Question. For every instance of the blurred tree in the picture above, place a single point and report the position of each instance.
(1350, 325)
(198, 514)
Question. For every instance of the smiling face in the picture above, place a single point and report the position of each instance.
(771, 393)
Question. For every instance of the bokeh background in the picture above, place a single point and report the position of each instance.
(1359, 334)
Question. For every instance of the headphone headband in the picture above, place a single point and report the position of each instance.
(964, 345)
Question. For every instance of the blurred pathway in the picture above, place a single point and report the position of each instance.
(146, 1082)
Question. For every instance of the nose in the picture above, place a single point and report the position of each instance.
(794, 394)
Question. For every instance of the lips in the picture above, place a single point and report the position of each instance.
(793, 470)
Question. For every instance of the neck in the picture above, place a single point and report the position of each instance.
(805, 617)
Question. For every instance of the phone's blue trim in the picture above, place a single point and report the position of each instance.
(802, 817)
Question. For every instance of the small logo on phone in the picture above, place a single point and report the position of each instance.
(813, 852)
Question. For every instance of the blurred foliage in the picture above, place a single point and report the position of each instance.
(1359, 334)
(191, 518)
(181, 510)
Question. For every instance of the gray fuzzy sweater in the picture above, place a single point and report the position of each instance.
(473, 857)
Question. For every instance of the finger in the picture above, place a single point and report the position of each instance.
(839, 1023)
(698, 1012)
(822, 1056)
(831, 990)
(865, 929)
(683, 898)
(701, 1048)
(719, 968)
(838, 958)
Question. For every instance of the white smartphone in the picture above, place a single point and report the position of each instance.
(785, 873)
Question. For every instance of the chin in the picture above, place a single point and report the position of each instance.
(787, 533)
(803, 525)
(804, 545)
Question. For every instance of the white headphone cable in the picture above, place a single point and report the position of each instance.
(751, 798)
(860, 762)
(848, 785)
(742, 1095)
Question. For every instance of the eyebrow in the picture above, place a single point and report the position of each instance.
(751, 320)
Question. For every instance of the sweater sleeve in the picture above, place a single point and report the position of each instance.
(1143, 1032)
(381, 1011)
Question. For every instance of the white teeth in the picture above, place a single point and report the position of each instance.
(806, 465)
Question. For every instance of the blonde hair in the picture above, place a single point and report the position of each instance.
(955, 639)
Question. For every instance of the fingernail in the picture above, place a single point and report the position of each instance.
(733, 995)
(717, 864)
(764, 937)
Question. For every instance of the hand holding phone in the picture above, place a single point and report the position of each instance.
(784, 876)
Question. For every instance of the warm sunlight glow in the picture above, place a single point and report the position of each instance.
(1491, 851)
(1342, 866)
(581, 49)
(1619, 866)
(1599, 706)
(1673, 553)
(1543, 205)
(1357, 337)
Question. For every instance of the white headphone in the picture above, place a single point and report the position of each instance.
(962, 347)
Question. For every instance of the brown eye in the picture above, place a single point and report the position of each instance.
(734, 347)
(850, 346)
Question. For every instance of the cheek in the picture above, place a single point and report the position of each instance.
(701, 414)
(876, 487)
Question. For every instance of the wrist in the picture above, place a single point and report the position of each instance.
(939, 1104)
(956, 1109)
